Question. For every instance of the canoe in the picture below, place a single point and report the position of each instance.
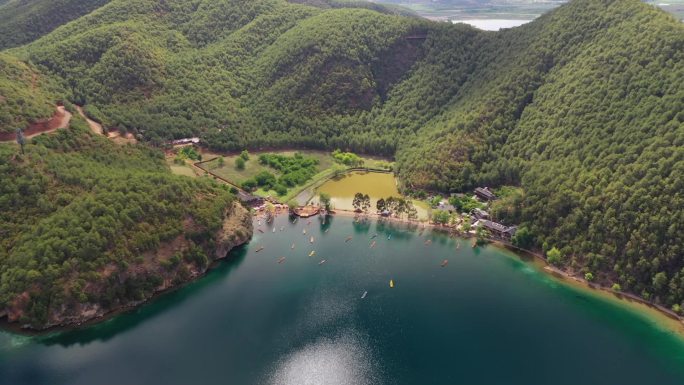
(391, 283)
(259, 249)
(261, 231)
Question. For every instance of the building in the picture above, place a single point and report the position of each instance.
(497, 230)
(480, 214)
(194, 140)
(485, 193)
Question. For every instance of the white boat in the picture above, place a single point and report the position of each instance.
(321, 262)
(364, 294)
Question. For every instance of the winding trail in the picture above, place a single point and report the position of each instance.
(95, 127)
(59, 120)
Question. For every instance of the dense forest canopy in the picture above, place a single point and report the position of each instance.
(82, 220)
(583, 108)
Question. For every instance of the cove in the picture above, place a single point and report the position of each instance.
(487, 317)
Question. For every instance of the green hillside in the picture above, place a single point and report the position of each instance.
(22, 21)
(25, 95)
(582, 108)
(88, 226)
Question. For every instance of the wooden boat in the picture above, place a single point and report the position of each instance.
(321, 262)
(261, 231)
(349, 238)
(364, 294)
(445, 262)
(312, 253)
(391, 283)
(281, 259)
(259, 249)
(311, 240)
(372, 245)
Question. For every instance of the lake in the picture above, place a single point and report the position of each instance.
(493, 24)
(377, 185)
(485, 318)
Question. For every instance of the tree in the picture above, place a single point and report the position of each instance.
(380, 205)
(616, 287)
(589, 277)
(240, 163)
(221, 161)
(357, 202)
(292, 205)
(325, 201)
(21, 140)
(523, 238)
(554, 257)
(412, 212)
(440, 217)
(244, 155)
(659, 281)
(365, 203)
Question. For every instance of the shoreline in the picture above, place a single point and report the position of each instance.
(625, 299)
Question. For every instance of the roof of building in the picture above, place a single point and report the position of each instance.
(498, 227)
(485, 192)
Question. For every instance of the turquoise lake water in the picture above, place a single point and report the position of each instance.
(485, 318)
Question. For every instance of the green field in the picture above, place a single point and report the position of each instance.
(326, 168)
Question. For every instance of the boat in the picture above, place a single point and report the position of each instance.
(295, 220)
(445, 262)
(429, 241)
(389, 237)
(312, 253)
(374, 235)
(349, 238)
(274, 229)
(372, 245)
(259, 249)
(364, 294)
(391, 283)
(281, 259)
(321, 262)
(261, 231)
(326, 231)
(282, 228)
(303, 231)
(292, 247)
(311, 240)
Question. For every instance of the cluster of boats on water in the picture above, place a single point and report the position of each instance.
(348, 239)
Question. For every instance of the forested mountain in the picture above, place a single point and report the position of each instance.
(22, 21)
(89, 226)
(582, 108)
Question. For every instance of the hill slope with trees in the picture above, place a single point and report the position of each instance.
(89, 227)
(582, 108)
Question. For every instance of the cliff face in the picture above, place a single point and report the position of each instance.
(166, 268)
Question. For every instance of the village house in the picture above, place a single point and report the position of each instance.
(497, 230)
(478, 214)
(485, 193)
(185, 141)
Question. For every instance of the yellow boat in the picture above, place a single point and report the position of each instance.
(391, 283)
(312, 253)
